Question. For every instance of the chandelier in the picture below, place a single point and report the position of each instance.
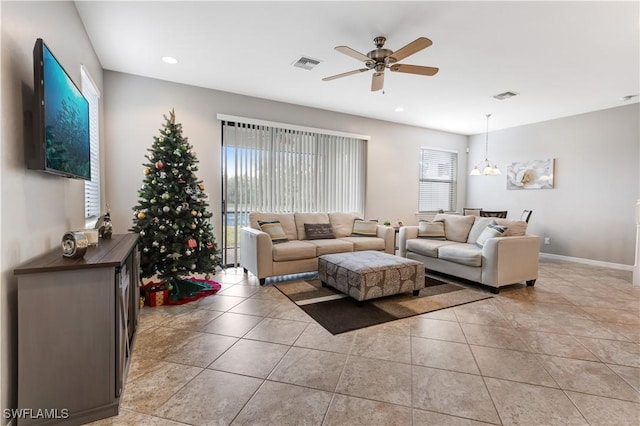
(485, 167)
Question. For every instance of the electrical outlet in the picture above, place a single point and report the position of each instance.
(547, 240)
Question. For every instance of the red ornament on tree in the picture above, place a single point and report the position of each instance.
(192, 243)
(159, 165)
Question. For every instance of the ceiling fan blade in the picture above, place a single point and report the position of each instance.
(411, 48)
(353, 53)
(344, 74)
(377, 81)
(414, 69)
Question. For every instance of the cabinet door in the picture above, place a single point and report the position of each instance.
(66, 338)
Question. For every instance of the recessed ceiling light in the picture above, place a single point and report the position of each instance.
(628, 97)
(399, 109)
(170, 60)
(505, 95)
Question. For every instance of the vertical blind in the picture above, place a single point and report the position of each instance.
(92, 187)
(438, 180)
(283, 170)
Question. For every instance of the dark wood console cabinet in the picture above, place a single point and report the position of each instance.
(77, 321)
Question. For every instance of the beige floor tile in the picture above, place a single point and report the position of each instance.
(347, 410)
(381, 345)
(556, 344)
(400, 327)
(230, 324)
(453, 393)
(260, 307)
(289, 311)
(630, 375)
(482, 312)
(150, 391)
(589, 377)
(195, 320)
(213, 397)
(442, 314)
(614, 315)
(283, 405)
(199, 350)
(524, 404)
(437, 329)
(606, 411)
(421, 417)
(511, 365)
(250, 358)
(218, 302)
(238, 291)
(497, 337)
(310, 368)
(156, 342)
(154, 316)
(614, 352)
(277, 331)
(442, 354)
(317, 337)
(376, 379)
(131, 418)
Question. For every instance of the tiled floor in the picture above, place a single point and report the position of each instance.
(566, 351)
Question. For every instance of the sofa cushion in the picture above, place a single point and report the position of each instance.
(515, 228)
(318, 231)
(312, 218)
(493, 230)
(426, 247)
(293, 250)
(433, 230)
(477, 228)
(456, 227)
(275, 231)
(343, 223)
(331, 246)
(464, 254)
(365, 243)
(286, 220)
(364, 228)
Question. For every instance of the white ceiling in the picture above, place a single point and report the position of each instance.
(563, 58)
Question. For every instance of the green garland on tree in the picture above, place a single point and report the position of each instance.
(176, 236)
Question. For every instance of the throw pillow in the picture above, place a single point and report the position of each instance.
(431, 230)
(318, 231)
(364, 228)
(492, 230)
(274, 229)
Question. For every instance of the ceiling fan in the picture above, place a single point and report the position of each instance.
(380, 58)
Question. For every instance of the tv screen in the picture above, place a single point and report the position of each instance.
(61, 125)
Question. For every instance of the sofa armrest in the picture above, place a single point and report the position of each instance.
(388, 234)
(256, 252)
(508, 260)
(406, 233)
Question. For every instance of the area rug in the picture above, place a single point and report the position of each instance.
(339, 313)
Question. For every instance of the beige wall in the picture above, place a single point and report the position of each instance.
(36, 208)
(134, 108)
(589, 214)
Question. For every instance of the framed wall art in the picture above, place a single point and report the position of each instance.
(532, 174)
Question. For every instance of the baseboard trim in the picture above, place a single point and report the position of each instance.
(591, 262)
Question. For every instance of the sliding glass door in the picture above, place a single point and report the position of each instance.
(270, 169)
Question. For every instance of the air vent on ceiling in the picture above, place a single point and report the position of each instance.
(306, 63)
(505, 95)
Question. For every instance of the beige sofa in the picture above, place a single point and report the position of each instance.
(260, 256)
(508, 259)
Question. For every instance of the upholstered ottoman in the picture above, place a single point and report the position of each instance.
(366, 275)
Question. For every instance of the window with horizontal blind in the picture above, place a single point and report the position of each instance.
(438, 180)
(92, 187)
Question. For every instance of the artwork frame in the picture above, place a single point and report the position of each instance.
(531, 174)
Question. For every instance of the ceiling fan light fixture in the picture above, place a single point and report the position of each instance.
(399, 109)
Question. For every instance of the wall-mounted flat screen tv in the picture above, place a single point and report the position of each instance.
(61, 120)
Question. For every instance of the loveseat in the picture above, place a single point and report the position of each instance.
(491, 251)
(288, 243)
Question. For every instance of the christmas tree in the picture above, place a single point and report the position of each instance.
(176, 236)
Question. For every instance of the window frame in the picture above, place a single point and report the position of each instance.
(423, 180)
(92, 190)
